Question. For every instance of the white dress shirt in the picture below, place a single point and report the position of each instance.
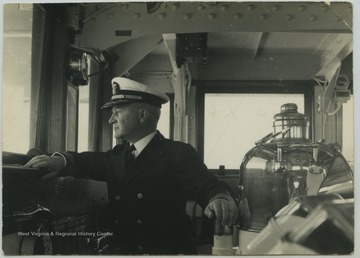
(142, 143)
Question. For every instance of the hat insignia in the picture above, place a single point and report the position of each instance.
(115, 88)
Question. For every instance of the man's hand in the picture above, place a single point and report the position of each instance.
(224, 209)
(54, 163)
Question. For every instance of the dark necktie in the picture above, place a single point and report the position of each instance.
(129, 156)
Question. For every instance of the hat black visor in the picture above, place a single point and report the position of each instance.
(118, 102)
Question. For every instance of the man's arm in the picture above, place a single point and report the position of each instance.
(202, 186)
(89, 165)
(223, 207)
(54, 163)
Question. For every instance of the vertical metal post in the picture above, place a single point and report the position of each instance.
(49, 86)
(100, 132)
(38, 116)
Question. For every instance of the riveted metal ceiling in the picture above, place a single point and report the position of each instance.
(245, 40)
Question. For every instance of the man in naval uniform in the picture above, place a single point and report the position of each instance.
(150, 179)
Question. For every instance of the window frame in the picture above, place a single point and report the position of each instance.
(171, 115)
(171, 118)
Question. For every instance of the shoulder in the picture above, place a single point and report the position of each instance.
(179, 149)
(176, 144)
(172, 146)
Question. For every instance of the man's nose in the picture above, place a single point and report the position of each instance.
(111, 120)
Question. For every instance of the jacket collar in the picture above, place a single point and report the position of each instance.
(147, 158)
(142, 143)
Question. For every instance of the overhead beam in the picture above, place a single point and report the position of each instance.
(269, 67)
(131, 52)
(338, 49)
(253, 44)
(170, 43)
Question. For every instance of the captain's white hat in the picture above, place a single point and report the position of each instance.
(128, 91)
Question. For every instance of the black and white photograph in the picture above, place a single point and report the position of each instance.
(193, 128)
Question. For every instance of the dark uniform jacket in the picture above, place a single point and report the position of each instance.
(147, 201)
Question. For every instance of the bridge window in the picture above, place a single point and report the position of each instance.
(164, 124)
(83, 127)
(348, 131)
(234, 122)
(16, 80)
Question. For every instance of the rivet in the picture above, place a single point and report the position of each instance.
(162, 16)
(201, 7)
(313, 18)
(137, 15)
(251, 7)
(324, 8)
(110, 15)
(224, 7)
(187, 16)
(276, 8)
(175, 6)
(212, 16)
(237, 16)
(289, 17)
(263, 17)
(301, 8)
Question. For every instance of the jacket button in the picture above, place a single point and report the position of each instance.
(140, 195)
(139, 222)
(117, 197)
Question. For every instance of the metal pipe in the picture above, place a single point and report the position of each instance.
(223, 240)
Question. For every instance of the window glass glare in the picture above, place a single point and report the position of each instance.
(83, 118)
(164, 121)
(16, 80)
(234, 122)
(348, 131)
(71, 118)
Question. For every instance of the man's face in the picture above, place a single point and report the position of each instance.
(125, 121)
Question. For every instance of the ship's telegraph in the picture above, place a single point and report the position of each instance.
(286, 164)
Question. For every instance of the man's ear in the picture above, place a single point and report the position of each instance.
(142, 113)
